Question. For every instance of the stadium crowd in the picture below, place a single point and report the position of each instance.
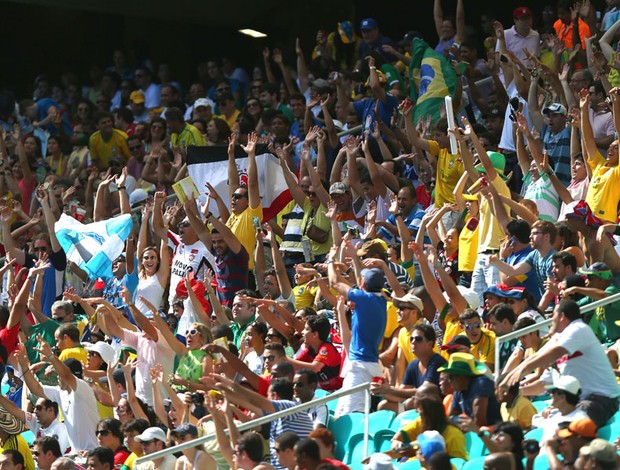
(403, 245)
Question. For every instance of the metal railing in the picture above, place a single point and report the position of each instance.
(543, 324)
(365, 387)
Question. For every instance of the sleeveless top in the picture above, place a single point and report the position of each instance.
(151, 290)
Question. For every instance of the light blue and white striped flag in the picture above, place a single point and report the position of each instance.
(93, 247)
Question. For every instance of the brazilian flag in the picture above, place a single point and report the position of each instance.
(431, 79)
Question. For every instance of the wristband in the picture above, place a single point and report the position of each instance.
(122, 187)
(483, 433)
(208, 215)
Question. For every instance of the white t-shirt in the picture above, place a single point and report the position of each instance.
(586, 360)
(193, 257)
(150, 353)
(151, 96)
(79, 407)
(56, 429)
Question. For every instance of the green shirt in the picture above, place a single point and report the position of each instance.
(603, 320)
(239, 330)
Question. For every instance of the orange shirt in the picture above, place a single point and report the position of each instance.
(565, 33)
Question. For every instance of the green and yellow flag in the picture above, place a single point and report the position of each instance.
(431, 79)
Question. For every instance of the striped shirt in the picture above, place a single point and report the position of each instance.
(299, 423)
(558, 147)
(231, 273)
(293, 231)
(544, 195)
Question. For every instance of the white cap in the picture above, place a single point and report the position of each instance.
(472, 299)
(566, 383)
(106, 351)
(150, 434)
(137, 195)
(204, 102)
(380, 461)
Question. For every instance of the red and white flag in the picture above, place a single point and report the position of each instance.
(210, 163)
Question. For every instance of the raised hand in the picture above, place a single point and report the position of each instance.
(522, 123)
(122, 178)
(584, 98)
(394, 209)
(266, 54)
(213, 194)
(277, 56)
(499, 29)
(157, 374)
(250, 148)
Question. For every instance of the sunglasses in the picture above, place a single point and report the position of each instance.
(239, 196)
(299, 384)
(102, 432)
(417, 339)
(38, 407)
(94, 353)
(191, 332)
(183, 224)
(35, 453)
(473, 326)
(271, 357)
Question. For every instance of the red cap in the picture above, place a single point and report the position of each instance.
(520, 12)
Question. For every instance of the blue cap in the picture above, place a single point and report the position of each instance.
(368, 23)
(430, 443)
(374, 279)
(185, 429)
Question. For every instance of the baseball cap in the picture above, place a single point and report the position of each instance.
(185, 429)
(380, 461)
(459, 341)
(374, 279)
(150, 434)
(320, 84)
(137, 97)
(408, 298)
(599, 269)
(368, 23)
(494, 113)
(75, 366)
(102, 348)
(376, 246)
(555, 108)
(206, 102)
(338, 188)
(137, 195)
(430, 443)
(505, 292)
(600, 450)
(583, 427)
(521, 12)
(566, 383)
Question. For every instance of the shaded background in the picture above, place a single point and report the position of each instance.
(53, 36)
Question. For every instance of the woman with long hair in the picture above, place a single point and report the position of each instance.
(153, 270)
(157, 135)
(56, 160)
(218, 132)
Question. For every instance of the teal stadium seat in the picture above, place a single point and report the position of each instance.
(343, 428)
(474, 445)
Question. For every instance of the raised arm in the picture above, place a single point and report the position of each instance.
(319, 189)
(233, 361)
(31, 381)
(438, 16)
(586, 125)
(302, 69)
(61, 369)
(233, 173)
(231, 240)
(179, 348)
(191, 211)
(253, 189)
(533, 107)
(284, 70)
(293, 185)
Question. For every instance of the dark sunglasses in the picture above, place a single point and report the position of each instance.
(102, 432)
(38, 407)
(417, 339)
(35, 453)
(271, 357)
(239, 196)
